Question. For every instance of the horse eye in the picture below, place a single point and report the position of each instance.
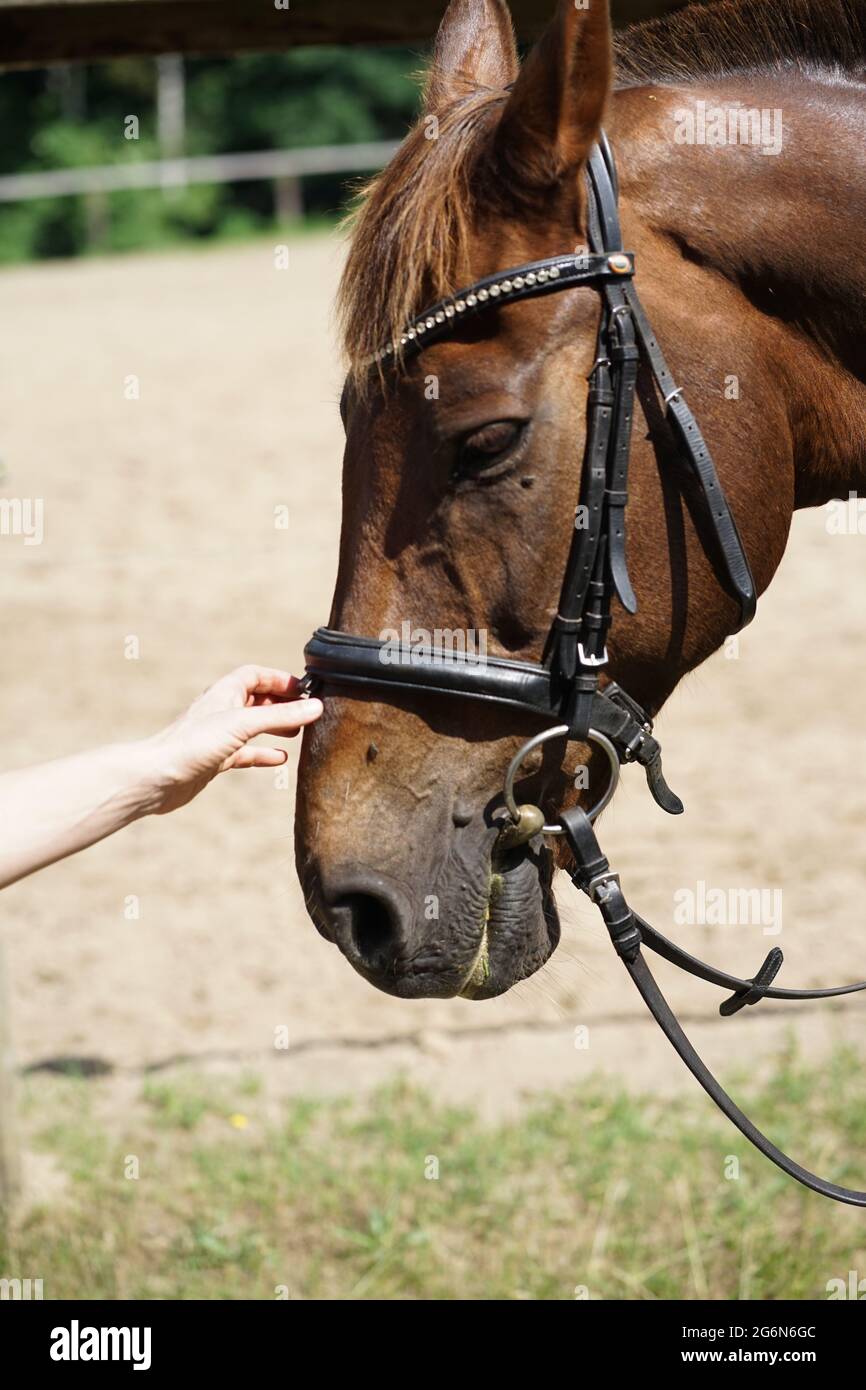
(488, 446)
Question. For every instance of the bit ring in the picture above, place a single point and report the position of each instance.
(560, 731)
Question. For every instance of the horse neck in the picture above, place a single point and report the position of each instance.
(783, 229)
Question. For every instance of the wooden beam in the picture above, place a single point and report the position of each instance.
(35, 33)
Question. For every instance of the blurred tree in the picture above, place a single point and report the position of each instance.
(68, 117)
(318, 96)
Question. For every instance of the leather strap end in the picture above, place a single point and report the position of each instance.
(661, 792)
(760, 984)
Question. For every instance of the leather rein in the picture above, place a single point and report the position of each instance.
(565, 688)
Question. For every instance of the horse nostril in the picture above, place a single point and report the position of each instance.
(369, 917)
(374, 930)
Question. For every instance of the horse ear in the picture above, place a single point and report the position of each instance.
(475, 47)
(554, 113)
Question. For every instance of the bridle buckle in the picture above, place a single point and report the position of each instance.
(601, 881)
(593, 661)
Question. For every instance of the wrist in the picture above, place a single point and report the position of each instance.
(151, 781)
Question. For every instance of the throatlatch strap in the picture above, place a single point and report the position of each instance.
(592, 874)
(605, 235)
(741, 583)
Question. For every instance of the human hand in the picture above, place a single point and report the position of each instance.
(214, 734)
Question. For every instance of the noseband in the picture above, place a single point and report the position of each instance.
(564, 688)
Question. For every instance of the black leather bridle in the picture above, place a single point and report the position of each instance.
(565, 688)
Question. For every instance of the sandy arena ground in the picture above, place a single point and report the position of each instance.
(159, 524)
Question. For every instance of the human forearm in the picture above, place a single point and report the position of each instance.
(59, 808)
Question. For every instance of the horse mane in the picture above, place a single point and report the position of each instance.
(411, 224)
(813, 37)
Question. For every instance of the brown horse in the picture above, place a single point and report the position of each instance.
(461, 470)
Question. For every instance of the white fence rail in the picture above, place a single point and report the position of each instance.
(276, 165)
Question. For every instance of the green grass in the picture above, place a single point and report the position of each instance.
(242, 1196)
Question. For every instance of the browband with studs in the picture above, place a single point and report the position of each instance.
(529, 281)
